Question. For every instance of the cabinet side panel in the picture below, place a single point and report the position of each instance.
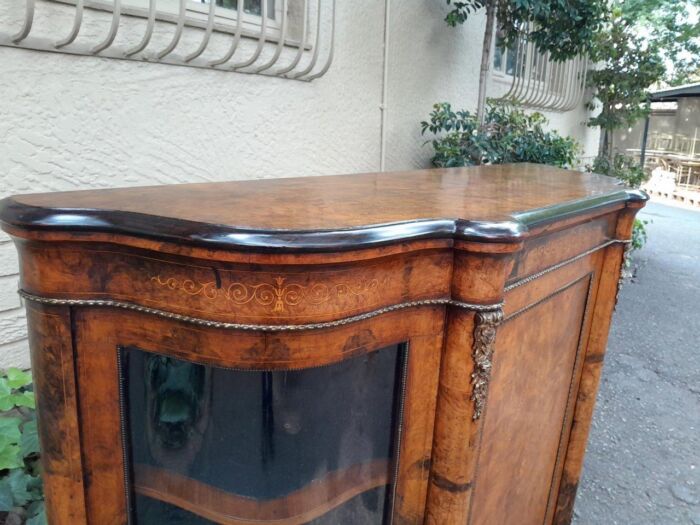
(534, 369)
(55, 387)
(590, 378)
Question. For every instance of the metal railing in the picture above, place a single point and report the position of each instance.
(253, 50)
(542, 83)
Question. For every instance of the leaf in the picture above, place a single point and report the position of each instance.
(10, 428)
(18, 480)
(10, 457)
(16, 378)
(39, 519)
(6, 501)
(24, 399)
(29, 443)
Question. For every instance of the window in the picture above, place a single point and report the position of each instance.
(226, 14)
(536, 80)
(250, 7)
(292, 39)
(504, 60)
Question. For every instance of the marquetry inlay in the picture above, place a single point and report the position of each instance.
(279, 294)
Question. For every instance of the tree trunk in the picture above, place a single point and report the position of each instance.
(485, 60)
(602, 143)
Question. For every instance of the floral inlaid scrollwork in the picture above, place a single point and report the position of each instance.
(484, 345)
(188, 286)
(279, 294)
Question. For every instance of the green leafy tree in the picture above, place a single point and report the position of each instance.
(673, 28)
(506, 135)
(564, 28)
(627, 64)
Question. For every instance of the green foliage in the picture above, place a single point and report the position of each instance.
(639, 234)
(627, 170)
(672, 29)
(626, 67)
(21, 493)
(565, 28)
(507, 135)
(644, 42)
(621, 167)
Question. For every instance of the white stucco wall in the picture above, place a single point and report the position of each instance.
(70, 122)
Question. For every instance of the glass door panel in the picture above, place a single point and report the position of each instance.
(210, 445)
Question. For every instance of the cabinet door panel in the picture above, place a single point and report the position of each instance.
(214, 445)
(536, 366)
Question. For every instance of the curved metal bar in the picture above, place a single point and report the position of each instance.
(150, 24)
(581, 71)
(541, 80)
(261, 40)
(550, 88)
(280, 43)
(527, 74)
(540, 84)
(566, 86)
(559, 87)
(77, 22)
(300, 50)
(27, 25)
(113, 28)
(519, 71)
(518, 52)
(547, 86)
(573, 93)
(182, 15)
(207, 32)
(317, 41)
(236, 39)
(331, 51)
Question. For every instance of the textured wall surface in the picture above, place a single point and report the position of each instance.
(70, 122)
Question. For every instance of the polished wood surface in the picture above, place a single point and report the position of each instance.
(297, 508)
(501, 281)
(329, 213)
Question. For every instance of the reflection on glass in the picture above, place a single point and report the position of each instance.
(214, 445)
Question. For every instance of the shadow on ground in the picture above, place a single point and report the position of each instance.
(643, 461)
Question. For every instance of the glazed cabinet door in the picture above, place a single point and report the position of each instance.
(194, 426)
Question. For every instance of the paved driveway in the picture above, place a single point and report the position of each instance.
(643, 461)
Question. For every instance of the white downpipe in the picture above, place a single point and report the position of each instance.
(385, 88)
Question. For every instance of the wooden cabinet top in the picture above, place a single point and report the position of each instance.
(488, 203)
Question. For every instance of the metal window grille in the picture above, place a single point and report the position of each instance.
(539, 82)
(295, 42)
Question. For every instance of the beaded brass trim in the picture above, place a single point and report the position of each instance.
(256, 327)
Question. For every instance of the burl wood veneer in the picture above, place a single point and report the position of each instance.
(410, 348)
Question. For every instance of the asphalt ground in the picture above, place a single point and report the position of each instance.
(642, 465)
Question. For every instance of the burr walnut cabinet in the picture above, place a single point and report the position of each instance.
(394, 348)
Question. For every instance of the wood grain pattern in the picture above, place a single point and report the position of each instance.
(297, 508)
(301, 251)
(592, 368)
(329, 213)
(57, 409)
(533, 371)
(264, 294)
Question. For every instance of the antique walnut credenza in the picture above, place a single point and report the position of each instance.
(394, 348)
